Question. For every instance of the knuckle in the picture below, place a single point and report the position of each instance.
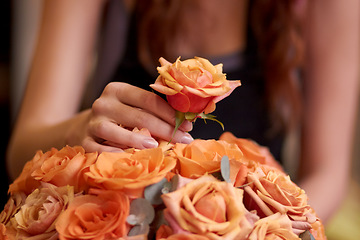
(98, 106)
(117, 88)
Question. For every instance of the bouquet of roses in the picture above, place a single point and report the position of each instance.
(230, 188)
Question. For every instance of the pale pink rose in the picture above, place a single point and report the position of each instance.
(165, 233)
(65, 167)
(36, 218)
(210, 208)
(275, 227)
(271, 191)
(278, 191)
(193, 85)
(99, 215)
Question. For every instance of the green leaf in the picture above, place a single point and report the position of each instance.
(225, 168)
(306, 235)
(141, 212)
(153, 192)
(139, 230)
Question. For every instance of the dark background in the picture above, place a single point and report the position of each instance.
(5, 28)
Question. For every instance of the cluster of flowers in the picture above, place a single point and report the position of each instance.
(229, 188)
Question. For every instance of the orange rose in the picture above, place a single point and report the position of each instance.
(251, 150)
(318, 229)
(203, 156)
(100, 215)
(37, 215)
(25, 182)
(165, 233)
(193, 85)
(276, 226)
(273, 191)
(210, 208)
(130, 171)
(3, 235)
(65, 167)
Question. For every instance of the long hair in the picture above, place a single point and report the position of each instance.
(278, 32)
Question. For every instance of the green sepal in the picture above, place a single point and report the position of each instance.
(210, 117)
(191, 117)
(179, 119)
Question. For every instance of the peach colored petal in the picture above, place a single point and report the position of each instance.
(197, 77)
(183, 216)
(220, 92)
(164, 62)
(203, 156)
(207, 65)
(173, 85)
(179, 102)
(210, 107)
(232, 86)
(197, 91)
(276, 226)
(163, 89)
(188, 79)
(25, 182)
(130, 172)
(100, 215)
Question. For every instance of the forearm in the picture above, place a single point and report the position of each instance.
(331, 96)
(326, 191)
(26, 140)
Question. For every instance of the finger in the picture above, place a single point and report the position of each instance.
(90, 145)
(148, 101)
(118, 136)
(156, 126)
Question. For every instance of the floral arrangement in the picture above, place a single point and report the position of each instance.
(231, 188)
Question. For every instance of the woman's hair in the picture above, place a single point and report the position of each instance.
(277, 29)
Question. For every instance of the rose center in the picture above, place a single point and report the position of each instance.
(212, 206)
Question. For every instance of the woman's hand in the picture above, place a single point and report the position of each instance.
(122, 107)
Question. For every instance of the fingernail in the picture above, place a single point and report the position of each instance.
(150, 143)
(186, 139)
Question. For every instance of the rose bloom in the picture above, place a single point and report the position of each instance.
(166, 233)
(318, 229)
(210, 208)
(101, 214)
(193, 85)
(12, 206)
(42, 207)
(65, 167)
(25, 182)
(252, 151)
(275, 227)
(203, 156)
(131, 171)
(3, 235)
(280, 194)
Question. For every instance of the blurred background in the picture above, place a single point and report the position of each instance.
(18, 26)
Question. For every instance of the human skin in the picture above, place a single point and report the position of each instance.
(50, 118)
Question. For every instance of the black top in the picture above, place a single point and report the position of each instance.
(244, 112)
